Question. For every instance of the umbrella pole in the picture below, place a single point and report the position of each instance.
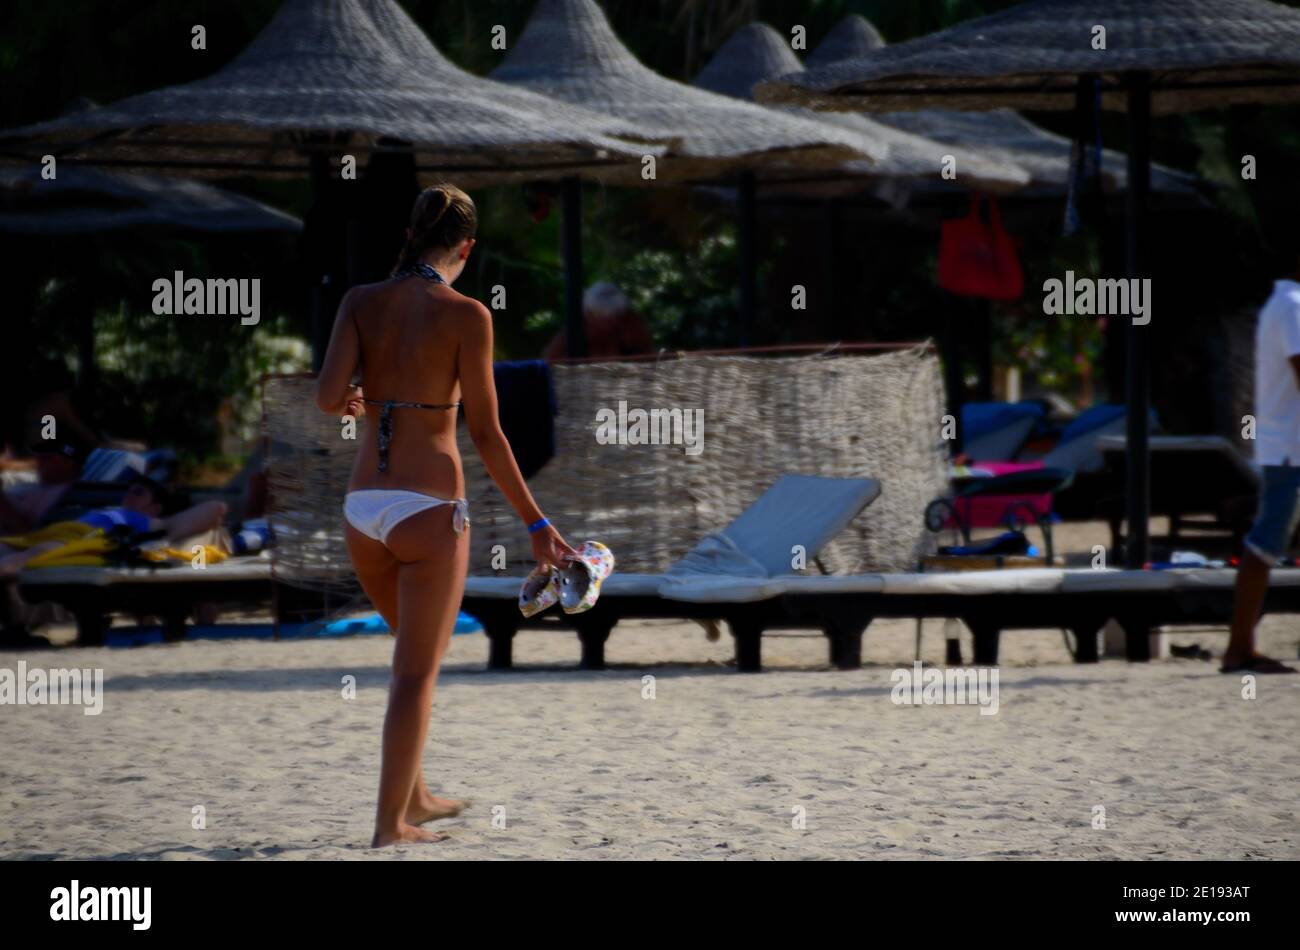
(575, 329)
(318, 230)
(1138, 370)
(746, 252)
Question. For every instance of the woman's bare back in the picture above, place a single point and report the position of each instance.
(409, 341)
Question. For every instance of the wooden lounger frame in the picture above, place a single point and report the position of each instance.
(844, 617)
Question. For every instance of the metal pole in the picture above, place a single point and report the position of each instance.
(748, 257)
(953, 379)
(317, 232)
(1139, 337)
(984, 349)
(575, 328)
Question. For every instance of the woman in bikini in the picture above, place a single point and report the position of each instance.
(419, 347)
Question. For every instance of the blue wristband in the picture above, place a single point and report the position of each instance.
(538, 526)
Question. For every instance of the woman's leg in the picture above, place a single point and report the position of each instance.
(380, 585)
(377, 571)
(430, 582)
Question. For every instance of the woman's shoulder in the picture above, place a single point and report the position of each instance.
(465, 310)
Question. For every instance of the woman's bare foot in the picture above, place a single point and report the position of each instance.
(1254, 663)
(433, 808)
(406, 834)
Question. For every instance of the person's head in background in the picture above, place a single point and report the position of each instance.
(58, 460)
(146, 497)
(613, 327)
(441, 234)
(604, 300)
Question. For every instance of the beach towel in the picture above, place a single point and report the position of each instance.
(526, 408)
(83, 545)
(62, 531)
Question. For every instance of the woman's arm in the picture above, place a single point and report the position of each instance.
(479, 394)
(334, 390)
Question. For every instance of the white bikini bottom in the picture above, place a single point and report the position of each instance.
(377, 511)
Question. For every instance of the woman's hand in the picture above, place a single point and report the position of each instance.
(355, 405)
(549, 548)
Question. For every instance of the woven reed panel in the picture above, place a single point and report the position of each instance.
(845, 416)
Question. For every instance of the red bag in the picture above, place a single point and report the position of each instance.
(978, 259)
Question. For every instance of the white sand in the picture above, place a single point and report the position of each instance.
(258, 734)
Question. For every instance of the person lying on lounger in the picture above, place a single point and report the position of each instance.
(141, 512)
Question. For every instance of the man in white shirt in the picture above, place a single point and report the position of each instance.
(1277, 450)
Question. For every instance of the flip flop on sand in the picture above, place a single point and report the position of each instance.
(1258, 664)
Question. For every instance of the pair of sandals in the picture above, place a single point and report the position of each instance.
(575, 586)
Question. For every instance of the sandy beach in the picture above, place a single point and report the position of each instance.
(562, 763)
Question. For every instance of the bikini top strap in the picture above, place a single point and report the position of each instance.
(397, 404)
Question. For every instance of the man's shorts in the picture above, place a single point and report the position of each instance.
(1279, 511)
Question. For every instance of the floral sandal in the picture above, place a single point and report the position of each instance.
(580, 579)
(540, 590)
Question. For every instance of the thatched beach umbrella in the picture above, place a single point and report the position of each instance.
(756, 52)
(998, 133)
(568, 51)
(90, 200)
(320, 81)
(854, 35)
(322, 78)
(436, 70)
(1157, 56)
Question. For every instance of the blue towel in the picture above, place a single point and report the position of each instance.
(526, 408)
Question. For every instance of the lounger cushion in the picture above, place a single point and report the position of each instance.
(751, 558)
(617, 585)
(1115, 581)
(1077, 449)
(233, 569)
(833, 584)
(806, 510)
(721, 589)
(1037, 580)
(995, 431)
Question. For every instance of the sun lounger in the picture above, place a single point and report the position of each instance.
(1078, 451)
(1193, 475)
(92, 594)
(1020, 497)
(1080, 600)
(996, 431)
(727, 576)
